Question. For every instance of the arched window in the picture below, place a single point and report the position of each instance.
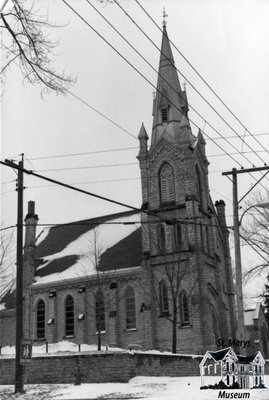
(40, 320)
(177, 235)
(69, 316)
(199, 186)
(164, 305)
(167, 184)
(100, 312)
(164, 115)
(215, 324)
(161, 239)
(130, 308)
(184, 309)
(265, 341)
(207, 240)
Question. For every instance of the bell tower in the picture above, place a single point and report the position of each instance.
(182, 241)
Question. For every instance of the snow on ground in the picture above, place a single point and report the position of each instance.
(61, 348)
(107, 235)
(154, 388)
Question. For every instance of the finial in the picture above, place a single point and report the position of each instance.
(154, 94)
(164, 16)
(184, 85)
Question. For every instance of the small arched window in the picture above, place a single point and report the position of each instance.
(165, 115)
(199, 186)
(130, 308)
(207, 240)
(161, 239)
(100, 312)
(69, 316)
(167, 184)
(40, 320)
(184, 309)
(164, 304)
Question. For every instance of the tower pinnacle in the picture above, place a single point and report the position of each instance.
(170, 104)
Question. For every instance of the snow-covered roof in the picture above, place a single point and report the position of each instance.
(67, 252)
(78, 249)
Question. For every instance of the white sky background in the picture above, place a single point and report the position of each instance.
(226, 41)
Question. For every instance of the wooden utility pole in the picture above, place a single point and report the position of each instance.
(237, 248)
(19, 369)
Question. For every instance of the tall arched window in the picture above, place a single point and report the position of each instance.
(184, 309)
(215, 324)
(100, 312)
(177, 235)
(164, 305)
(167, 184)
(265, 341)
(199, 186)
(207, 238)
(40, 320)
(130, 309)
(69, 316)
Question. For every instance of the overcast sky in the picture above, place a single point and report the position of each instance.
(226, 41)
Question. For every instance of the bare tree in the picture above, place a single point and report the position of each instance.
(173, 274)
(7, 262)
(26, 42)
(255, 232)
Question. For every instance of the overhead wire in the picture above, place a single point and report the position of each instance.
(128, 62)
(157, 72)
(168, 221)
(187, 80)
(143, 76)
(200, 76)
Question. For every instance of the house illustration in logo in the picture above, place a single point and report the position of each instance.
(233, 370)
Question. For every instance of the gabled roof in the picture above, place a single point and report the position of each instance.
(66, 252)
(250, 359)
(70, 250)
(220, 354)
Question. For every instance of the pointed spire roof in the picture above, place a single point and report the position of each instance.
(143, 133)
(170, 104)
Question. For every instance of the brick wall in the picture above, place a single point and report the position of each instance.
(98, 368)
(7, 328)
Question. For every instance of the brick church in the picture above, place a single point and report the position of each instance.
(164, 278)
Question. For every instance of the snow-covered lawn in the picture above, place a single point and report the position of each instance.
(155, 388)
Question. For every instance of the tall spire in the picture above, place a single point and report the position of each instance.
(170, 104)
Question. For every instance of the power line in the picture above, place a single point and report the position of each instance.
(87, 182)
(197, 91)
(8, 227)
(87, 167)
(83, 154)
(140, 210)
(159, 75)
(140, 73)
(94, 109)
(195, 70)
(143, 76)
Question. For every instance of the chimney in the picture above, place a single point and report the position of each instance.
(220, 206)
(30, 223)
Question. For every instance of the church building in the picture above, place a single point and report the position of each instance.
(164, 279)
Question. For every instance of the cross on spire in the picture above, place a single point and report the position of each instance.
(164, 16)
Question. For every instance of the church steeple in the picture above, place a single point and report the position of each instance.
(170, 105)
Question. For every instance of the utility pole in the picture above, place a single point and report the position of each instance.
(237, 255)
(237, 248)
(19, 369)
